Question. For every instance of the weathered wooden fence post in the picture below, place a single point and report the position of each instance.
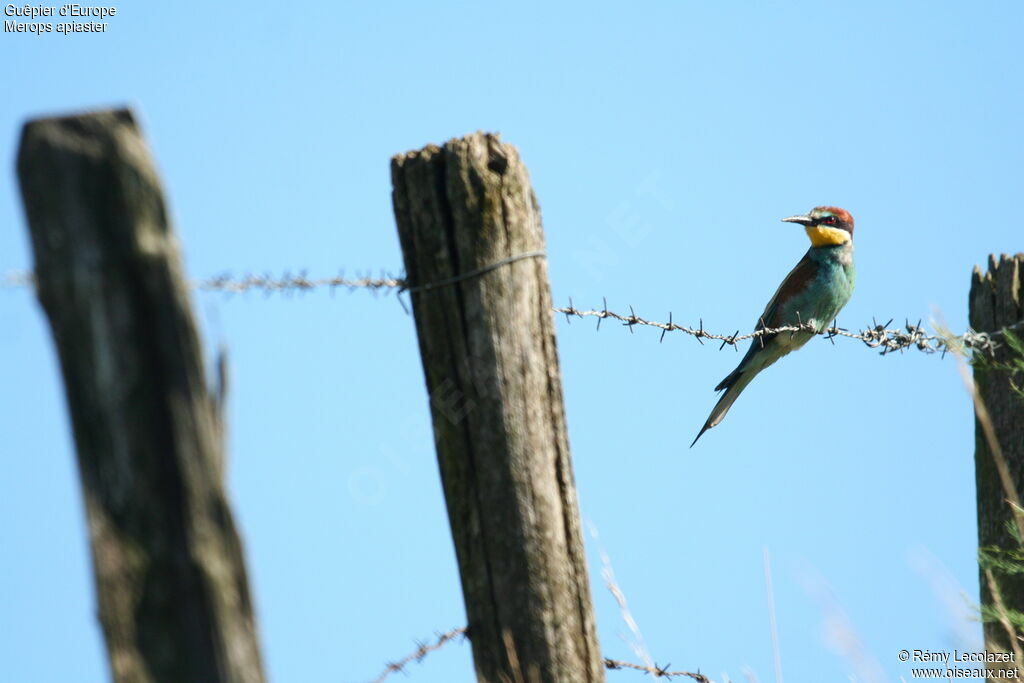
(996, 302)
(472, 241)
(170, 576)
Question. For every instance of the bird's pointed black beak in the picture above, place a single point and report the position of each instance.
(802, 220)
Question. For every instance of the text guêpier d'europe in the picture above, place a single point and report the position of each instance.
(72, 11)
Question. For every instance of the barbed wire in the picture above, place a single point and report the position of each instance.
(655, 671)
(421, 651)
(423, 648)
(876, 336)
(269, 284)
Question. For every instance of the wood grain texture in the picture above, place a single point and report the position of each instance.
(491, 366)
(997, 301)
(171, 583)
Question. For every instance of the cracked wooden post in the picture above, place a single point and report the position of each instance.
(170, 576)
(997, 302)
(488, 346)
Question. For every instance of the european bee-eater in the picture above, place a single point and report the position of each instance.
(814, 292)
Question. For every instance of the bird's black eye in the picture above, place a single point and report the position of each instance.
(829, 220)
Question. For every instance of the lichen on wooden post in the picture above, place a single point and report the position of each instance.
(488, 348)
(171, 582)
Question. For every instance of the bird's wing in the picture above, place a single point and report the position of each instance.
(776, 314)
(798, 280)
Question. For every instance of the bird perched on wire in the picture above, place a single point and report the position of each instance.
(813, 293)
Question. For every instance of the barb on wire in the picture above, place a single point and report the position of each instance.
(421, 651)
(655, 671)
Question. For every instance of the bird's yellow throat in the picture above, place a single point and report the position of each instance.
(822, 236)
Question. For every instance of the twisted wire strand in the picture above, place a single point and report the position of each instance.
(417, 655)
(876, 336)
(423, 648)
(655, 671)
(268, 284)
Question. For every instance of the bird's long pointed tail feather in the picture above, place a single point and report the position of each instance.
(734, 385)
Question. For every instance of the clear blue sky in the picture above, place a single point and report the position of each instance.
(665, 141)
